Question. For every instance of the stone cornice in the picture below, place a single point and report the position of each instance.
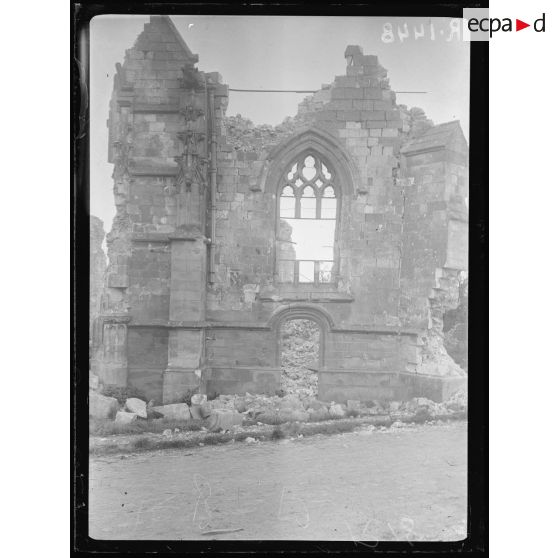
(205, 325)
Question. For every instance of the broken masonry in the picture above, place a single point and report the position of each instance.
(198, 284)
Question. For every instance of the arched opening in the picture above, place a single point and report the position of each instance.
(308, 215)
(311, 175)
(300, 350)
(299, 329)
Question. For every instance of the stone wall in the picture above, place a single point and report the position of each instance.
(193, 290)
(97, 268)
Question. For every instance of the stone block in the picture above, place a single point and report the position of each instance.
(174, 411)
(390, 132)
(363, 104)
(375, 124)
(326, 114)
(345, 81)
(383, 105)
(137, 406)
(373, 115)
(353, 50)
(374, 93)
(348, 115)
(347, 93)
(200, 412)
(354, 71)
(224, 419)
(364, 393)
(102, 407)
(369, 60)
(122, 417)
(199, 399)
(393, 115)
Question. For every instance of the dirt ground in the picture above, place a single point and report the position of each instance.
(395, 484)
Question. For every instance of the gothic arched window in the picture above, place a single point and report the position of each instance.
(308, 212)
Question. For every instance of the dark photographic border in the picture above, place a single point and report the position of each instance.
(476, 542)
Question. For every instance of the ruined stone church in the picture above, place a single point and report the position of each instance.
(202, 271)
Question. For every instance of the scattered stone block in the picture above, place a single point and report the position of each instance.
(200, 412)
(137, 406)
(102, 407)
(174, 411)
(224, 419)
(151, 413)
(122, 417)
(199, 399)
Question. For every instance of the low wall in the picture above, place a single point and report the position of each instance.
(341, 385)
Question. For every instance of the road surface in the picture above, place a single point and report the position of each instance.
(394, 484)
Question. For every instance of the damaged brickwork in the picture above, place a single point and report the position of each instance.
(193, 296)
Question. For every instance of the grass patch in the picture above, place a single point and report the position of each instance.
(327, 428)
(107, 449)
(320, 425)
(420, 417)
(277, 434)
(175, 444)
(241, 436)
(270, 418)
(156, 426)
(214, 439)
(141, 443)
(319, 416)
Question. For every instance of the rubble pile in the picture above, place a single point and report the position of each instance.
(421, 406)
(245, 136)
(300, 341)
(235, 412)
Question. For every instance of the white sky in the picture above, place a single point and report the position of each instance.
(276, 52)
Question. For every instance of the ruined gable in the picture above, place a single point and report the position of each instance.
(195, 296)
